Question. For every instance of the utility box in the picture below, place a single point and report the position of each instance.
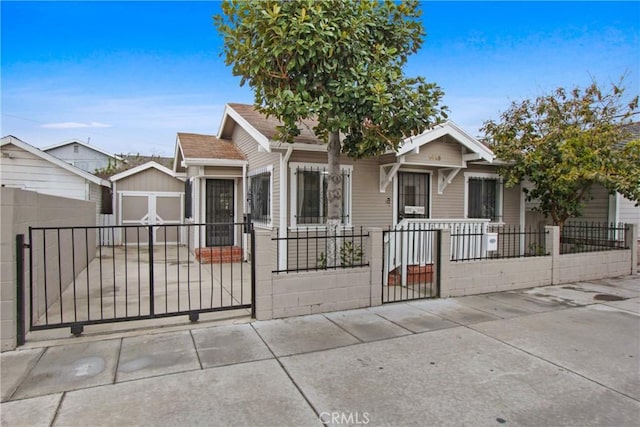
(491, 241)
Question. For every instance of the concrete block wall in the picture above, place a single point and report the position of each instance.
(19, 210)
(296, 294)
(479, 277)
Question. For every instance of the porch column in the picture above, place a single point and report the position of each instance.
(284, 191)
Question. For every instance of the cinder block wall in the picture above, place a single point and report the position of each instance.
(295, 294)
(485, 276)
(20, 210)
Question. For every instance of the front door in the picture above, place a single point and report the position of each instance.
(413, 195)
(219, 214)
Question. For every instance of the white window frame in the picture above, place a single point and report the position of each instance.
(267, 169)
(500, 195)
(293, 196)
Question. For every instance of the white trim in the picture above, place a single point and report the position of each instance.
(293, 197)
(500, 195)
(84, 144)
(265, 169)
(151, 193)
(141, 168)
(299, 146)
(52, 159)
(233, 114)
(447, 128)
(283, 245)
(190, 161)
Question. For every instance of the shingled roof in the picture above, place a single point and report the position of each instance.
(632, 131)
(198, 146)
(268, 126)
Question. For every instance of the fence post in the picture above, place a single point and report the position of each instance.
(151, 299)
(552, 244)
(443, 255)
(263, 264)
(20, 309)
(374, 250)
(631, 241)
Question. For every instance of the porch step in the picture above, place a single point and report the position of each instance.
(219, 254)
(416, 275)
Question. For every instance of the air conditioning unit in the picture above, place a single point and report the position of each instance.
(491, 241)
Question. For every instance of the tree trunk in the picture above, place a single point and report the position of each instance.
(334, 199)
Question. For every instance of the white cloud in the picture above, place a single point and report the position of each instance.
(74, 125)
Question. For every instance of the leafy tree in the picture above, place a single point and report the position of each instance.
(564, 143)
(339, 62)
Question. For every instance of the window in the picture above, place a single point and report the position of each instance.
(106, 206)
(309, 185)
(188, 198)
(484, 196)
(260, 196)
(413, 195)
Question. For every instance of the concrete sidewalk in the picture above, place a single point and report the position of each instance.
(557, 355)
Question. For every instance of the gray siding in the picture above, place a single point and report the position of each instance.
(596, 209)
(443, 151)
(150, 180)
(249, 147)
(85, 159)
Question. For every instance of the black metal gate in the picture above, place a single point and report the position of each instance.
(411, 263)
(74, 280)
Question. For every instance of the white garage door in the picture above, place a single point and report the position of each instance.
(151, 208)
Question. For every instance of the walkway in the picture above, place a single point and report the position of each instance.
(558, 355)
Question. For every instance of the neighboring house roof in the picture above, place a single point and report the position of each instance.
(141, 168)
(84, 144)
(448, 128)
(56, 161)
(194, 149)
(633, 132)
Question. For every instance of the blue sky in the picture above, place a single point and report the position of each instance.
(130, 75)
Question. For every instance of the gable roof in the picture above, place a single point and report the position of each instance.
(84, 144)
(10, 139)
(447, 128)
(262, 128)
(141, 168)
(197, 149)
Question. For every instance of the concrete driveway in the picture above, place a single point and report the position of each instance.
(554, 356)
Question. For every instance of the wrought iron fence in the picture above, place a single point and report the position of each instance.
(308, 249)
(579, 237)
(499, 242)
(151, 272)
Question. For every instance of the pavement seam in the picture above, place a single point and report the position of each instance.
(360, 341)
(295, 384)
(115, 371)
(552, 363)
(195, 348)
(57, 411)
(26, 375)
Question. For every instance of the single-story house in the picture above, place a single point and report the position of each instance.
(29, 168)
(84, 156)
(442, 174)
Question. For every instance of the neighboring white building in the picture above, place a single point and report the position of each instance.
(82, 155)
(29, 168)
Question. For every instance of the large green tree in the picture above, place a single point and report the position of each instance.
(564, 143)
(339, 62)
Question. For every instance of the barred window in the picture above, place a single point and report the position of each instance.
(260, 197)
(484, 198)
(309, 195)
